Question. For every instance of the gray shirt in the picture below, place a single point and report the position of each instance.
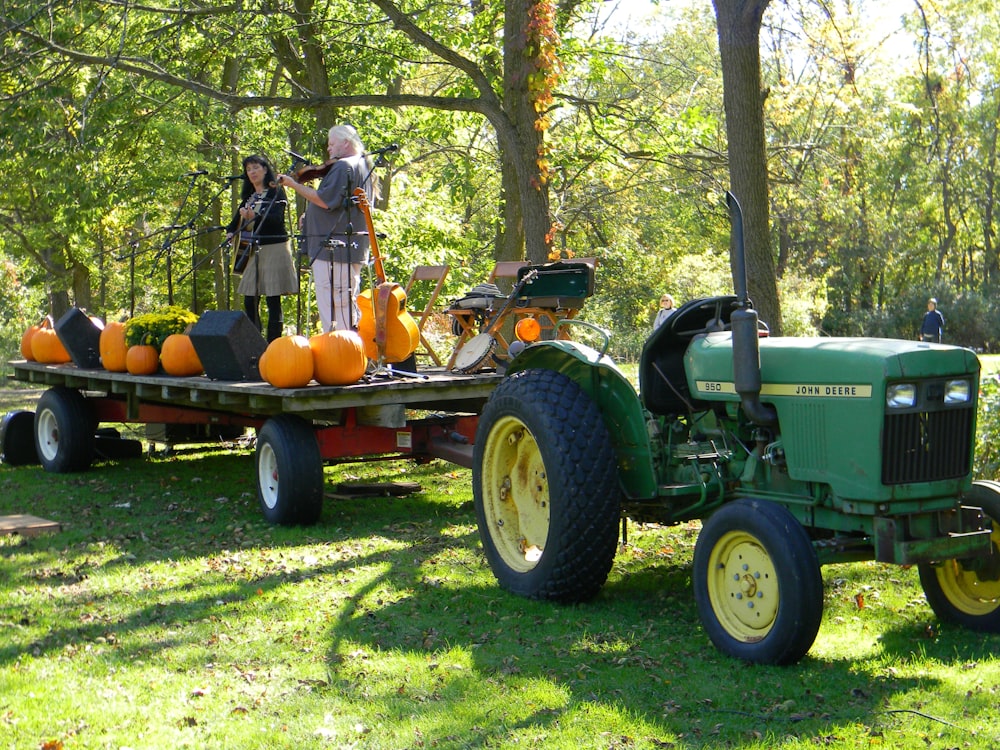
(343, 221)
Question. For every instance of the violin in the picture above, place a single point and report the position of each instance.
(302, 171)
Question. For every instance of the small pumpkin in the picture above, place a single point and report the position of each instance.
(178, 356)
(47, 348)
(289, 362)
(112, 347)
(142, 359)
(338, 357)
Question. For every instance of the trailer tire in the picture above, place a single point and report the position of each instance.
(64, 430)
(546, 490)
(289, 471)
(757, 583)
(969, 595)
(17, 439)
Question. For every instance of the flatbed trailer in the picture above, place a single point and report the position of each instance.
(432, 415)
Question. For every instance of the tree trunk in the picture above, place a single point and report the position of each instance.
(739, 47)
(522, 142)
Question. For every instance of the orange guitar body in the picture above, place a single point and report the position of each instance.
(401, 332)
(388, 331)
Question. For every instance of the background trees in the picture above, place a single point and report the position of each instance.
(524, 128)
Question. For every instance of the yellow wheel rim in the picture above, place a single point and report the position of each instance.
(743, 586)
(963, 587)
(515, 494)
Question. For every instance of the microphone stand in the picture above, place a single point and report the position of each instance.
(168, 242)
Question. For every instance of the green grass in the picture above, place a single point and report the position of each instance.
(167, 614)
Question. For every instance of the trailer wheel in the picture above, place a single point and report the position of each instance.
(546, 488)
(967, 592)
(289, 471)
(17, 438)
(64, 430)
(757, 583)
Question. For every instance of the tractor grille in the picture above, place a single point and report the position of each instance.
(925, 446)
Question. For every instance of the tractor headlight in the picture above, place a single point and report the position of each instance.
(957, 391)
(901, 395)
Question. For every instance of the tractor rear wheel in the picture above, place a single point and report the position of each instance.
(757, 583)
(546, 488)
(967, 592)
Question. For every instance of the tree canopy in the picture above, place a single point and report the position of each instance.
(527, 129)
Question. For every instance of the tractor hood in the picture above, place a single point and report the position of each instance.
(830, 397)
(787, 362)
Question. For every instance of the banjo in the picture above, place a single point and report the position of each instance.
(480, 347)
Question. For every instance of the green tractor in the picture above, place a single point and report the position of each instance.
(794, 452)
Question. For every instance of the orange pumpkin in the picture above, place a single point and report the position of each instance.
(112, 347)
(26, 342)
(289, 362)
(47, 348)
(261, 365)
(338, 357)
(142, 360)
(178, 357)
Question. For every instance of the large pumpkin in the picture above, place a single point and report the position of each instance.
(26, 341)
(142, 359)
(178, 357)
(289, 362)
(47, 348)
(338, 357)
(262, 365)
(112, 347)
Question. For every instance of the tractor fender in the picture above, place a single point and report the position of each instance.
(615, 396)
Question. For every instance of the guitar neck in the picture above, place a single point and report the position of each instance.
(362, 200)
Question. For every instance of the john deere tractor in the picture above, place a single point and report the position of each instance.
(794, 453)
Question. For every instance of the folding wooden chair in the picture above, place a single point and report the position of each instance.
(437, 275)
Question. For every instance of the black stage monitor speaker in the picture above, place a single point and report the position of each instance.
(228, 345)
(82, 338)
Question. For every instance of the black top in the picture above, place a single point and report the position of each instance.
(269, 225)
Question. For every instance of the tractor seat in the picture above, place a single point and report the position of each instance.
(662, 380)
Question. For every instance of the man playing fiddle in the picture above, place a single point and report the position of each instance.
(334, 227)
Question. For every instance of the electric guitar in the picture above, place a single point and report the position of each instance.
(388, 331)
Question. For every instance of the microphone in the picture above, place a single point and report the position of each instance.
(386, 150)
(195, 173)
(297, 157)
(232, 177)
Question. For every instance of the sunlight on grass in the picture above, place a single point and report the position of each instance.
(167, 614)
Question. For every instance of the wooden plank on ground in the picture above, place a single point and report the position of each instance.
(26, 525)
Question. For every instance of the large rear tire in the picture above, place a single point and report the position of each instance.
(64, 430)
(289, 471)
(757, 583)
(967, 592)
(546, 488)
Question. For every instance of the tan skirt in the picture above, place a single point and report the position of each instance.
(277, 272)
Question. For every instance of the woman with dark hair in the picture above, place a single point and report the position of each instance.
(270, 272)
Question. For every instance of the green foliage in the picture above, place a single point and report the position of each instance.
(153, 328)
(987, 460)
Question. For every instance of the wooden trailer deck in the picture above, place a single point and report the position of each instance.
(297, 429)
(435, 390)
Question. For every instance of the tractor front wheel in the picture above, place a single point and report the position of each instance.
(757, 583)
(967, 592)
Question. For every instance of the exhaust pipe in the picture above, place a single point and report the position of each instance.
(743, 321)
